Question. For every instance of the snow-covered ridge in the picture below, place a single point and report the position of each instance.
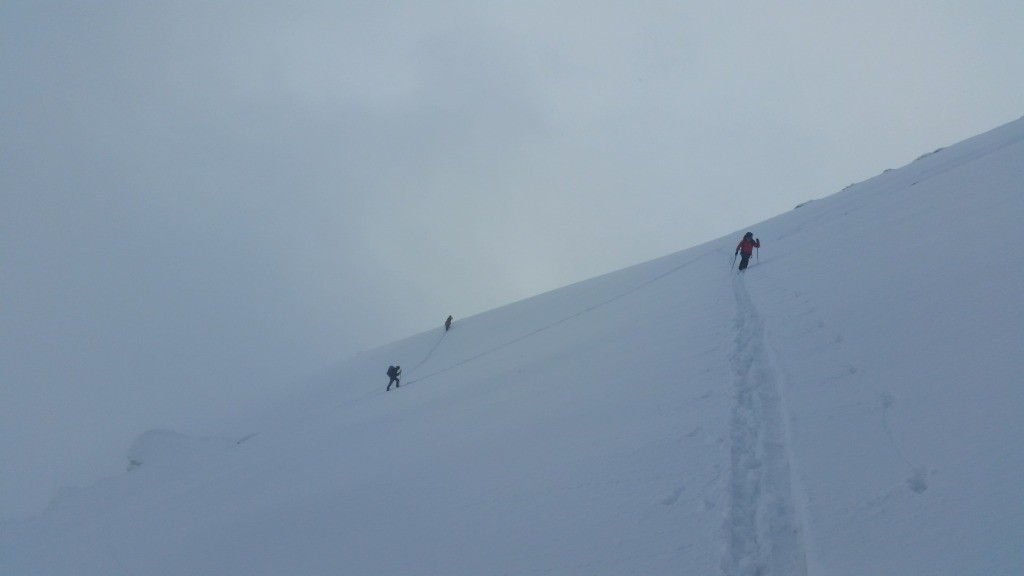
(850, 405)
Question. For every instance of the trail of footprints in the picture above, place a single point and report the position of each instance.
(762, 529)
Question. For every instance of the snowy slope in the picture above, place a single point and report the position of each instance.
(850, 405)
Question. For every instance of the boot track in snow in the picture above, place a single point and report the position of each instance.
(763, 531)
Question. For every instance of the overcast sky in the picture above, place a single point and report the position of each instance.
(200, 196)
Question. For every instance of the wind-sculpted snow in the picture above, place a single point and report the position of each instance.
(849, 405)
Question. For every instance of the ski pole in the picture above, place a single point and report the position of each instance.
(758, 251)
(733, 260)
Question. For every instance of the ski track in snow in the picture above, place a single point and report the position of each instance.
(591, 308)
(764, 536)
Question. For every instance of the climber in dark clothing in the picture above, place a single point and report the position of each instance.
(448, 323)
(394, 372)
(746, 247)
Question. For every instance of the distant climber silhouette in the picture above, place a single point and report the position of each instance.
(394, 372)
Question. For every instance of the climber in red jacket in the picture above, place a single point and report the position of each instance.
(746, 247)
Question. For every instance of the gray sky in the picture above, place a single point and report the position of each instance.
(201, 203)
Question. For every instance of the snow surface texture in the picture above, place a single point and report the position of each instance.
(851, 404)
